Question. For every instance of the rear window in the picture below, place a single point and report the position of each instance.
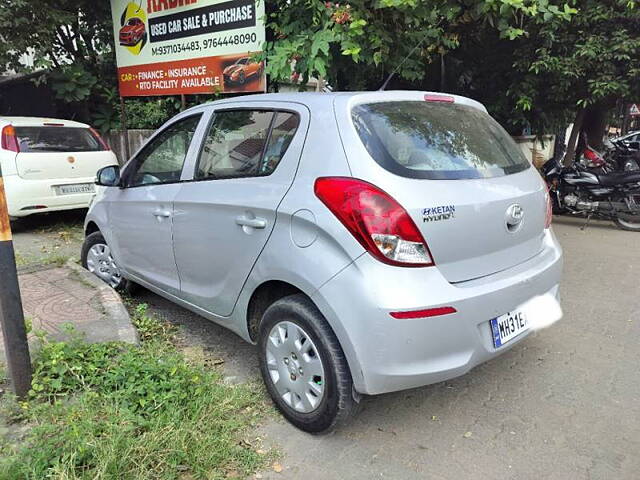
(436, 141)
(57, 139)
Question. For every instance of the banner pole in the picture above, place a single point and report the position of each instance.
(14, 333)
(123, 122)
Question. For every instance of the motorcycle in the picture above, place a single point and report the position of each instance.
(621, 157)
(617, 157)
(579, 190)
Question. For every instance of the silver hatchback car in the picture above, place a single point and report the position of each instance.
(366, 242)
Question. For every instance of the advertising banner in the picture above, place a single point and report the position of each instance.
(170, 47)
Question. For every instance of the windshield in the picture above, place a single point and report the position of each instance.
(436, 141)
(56, 139)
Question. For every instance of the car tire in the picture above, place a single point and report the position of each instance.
(95, 251)
(298, 315)
(242, 78)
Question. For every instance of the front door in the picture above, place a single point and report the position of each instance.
(141, 213)
(224, 217)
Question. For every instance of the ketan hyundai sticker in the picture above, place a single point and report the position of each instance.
(435, 214)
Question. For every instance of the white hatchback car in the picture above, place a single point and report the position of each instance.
(366, 242)
(49, 164)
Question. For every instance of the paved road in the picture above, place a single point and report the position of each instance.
(564, 404)
(48, 239)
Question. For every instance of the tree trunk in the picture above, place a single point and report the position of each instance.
(594, 124)
(573, 138)
(626, 121)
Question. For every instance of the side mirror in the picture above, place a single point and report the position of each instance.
(108, 176)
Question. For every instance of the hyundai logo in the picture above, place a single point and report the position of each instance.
(514, 217)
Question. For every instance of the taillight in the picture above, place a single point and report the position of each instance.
(9, 141)
(376, 220)
(590, 154)
(100, 139)
(549, 213)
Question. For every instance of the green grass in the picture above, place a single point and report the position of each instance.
(52, 259)
(118, 411)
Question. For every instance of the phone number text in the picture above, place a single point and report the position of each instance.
(205, 44)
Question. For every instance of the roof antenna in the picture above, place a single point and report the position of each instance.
(386, 82)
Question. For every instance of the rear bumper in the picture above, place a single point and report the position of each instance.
(23, 195)
(386, 354)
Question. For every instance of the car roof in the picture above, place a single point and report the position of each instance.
(326, 100)
(40, 121)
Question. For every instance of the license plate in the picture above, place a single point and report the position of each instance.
(75, 188)
(508, 326)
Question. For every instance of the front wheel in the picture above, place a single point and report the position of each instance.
(97, 258)
(303, 366)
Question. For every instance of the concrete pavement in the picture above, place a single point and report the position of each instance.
(55, 289)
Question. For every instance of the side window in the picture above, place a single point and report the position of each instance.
(161, 161)
(239, 145)
(282, 132)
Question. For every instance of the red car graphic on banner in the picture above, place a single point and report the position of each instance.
(132, 33)
(241, 70)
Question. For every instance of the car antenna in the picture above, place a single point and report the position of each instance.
(386, 82)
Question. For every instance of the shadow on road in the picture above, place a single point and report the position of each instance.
(48, 221)
(580, 222)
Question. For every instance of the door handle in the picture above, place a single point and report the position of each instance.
(251, 222)
(162, 213)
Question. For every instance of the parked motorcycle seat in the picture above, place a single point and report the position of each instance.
(619, 178)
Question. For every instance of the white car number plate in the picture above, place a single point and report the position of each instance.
(508, 326)
(75, 188)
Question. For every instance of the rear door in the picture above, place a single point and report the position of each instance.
(59, 152)
(141, 212)
(224, 217)
(463, 180)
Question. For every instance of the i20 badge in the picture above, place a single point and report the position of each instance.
(441, 212)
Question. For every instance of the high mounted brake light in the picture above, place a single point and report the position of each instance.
(376, 220)
(9, 140)
(439, 98)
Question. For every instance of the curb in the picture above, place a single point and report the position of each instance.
(112, 304)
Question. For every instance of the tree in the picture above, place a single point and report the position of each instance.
(357, 44)
(70, 39)
(587, 64)
(559, 72)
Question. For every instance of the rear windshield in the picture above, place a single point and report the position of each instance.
(436, 141)
(57, 139)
